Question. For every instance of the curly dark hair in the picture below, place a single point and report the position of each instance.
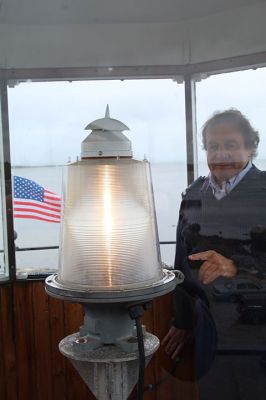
(235, 118)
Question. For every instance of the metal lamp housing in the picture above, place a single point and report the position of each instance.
(109, 257)
(109, 247)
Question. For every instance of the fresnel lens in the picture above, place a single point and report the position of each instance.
(109, 258)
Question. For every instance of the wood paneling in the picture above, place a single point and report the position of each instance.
(8, 343)
(26, 352)
(42, 341)
(31, 366)
(180, 384)
(57, 332)
(8, 385)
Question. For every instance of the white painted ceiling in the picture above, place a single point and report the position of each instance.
(104, 33)
(112, 11)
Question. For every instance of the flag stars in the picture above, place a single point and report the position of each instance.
(33, 201)
(27, 189)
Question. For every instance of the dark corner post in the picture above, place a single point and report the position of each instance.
(191, 128)
(7, 183)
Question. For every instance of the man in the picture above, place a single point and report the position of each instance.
(221, 230)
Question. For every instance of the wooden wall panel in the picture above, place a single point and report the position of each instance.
(8, 343)
(31, 366)
(149, 377)
(42, 332)
(180, 384)
(57, 332)
(3, 332)
(26, 352)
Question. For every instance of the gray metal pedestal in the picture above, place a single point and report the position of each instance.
(109, 372)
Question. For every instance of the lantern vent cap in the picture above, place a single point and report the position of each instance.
(107, 123)
(106, 139)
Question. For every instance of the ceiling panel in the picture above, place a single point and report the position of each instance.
(111, 11)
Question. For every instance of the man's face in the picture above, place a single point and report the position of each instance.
(227, 154)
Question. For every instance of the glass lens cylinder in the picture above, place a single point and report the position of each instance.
(109, 234)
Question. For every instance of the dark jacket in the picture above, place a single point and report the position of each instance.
(235, 227)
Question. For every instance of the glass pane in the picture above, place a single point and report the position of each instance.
(169, 181)
(224, 226)
(3, 264)
(47, 122)
(243, 90)
(36, 238)
(168, 254)
(3, 236)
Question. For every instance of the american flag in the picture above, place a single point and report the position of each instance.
(35, 202)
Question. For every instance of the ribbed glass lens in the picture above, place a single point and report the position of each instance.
(109, 234)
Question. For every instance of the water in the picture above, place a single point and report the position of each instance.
(169, 180)
(33, 233)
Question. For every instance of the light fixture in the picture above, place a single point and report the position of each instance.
(109, 258)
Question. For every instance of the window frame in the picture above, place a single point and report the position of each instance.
(188, 73)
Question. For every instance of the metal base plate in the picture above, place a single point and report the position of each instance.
(106, 354)
(163, 286)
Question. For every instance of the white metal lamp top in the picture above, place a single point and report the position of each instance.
(106, 139)
(107, 123)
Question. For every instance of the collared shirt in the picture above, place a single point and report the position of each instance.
(221, 191)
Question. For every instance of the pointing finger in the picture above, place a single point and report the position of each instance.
(204, 255)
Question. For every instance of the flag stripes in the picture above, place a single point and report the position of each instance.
(32, 201)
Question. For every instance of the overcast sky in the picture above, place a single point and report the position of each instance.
(47, 119)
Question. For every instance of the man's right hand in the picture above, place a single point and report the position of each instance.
(214, 266)
(174, 341)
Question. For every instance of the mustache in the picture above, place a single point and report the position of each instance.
(225, 164)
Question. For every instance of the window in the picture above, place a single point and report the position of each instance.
(47, 122)
(4, 272)
(243, 90)
(237, 228)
